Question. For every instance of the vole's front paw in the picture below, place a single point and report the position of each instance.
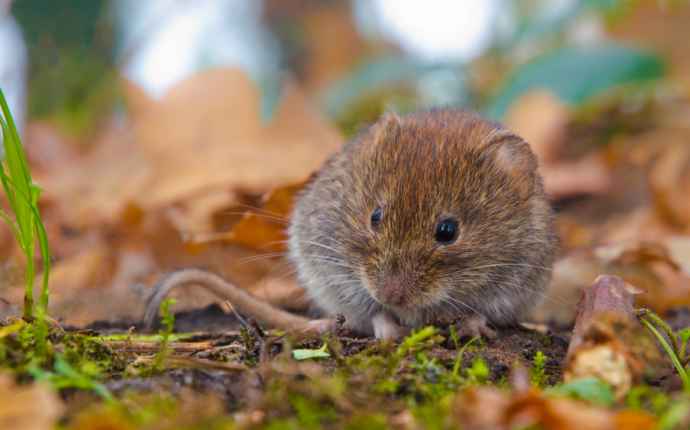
(321, 326)
(386, 328)
(475, 326)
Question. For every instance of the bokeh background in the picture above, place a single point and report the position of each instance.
(174, 133)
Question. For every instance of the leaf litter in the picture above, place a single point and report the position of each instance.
(216, 191)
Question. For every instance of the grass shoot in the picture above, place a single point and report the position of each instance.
(26, 225)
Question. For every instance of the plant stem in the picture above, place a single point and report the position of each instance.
(666, 328)
(671, 353)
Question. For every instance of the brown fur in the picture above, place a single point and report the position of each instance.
(420, 169)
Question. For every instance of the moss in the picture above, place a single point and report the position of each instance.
(538, 371)
(364, 384)
(435, 415)
(91, 352)
(374, 421)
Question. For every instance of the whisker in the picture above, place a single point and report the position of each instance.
(266, 256)
(328, 259)
(482, 277)
(258, 214)
(489, 266)
(310, 242)
(260, 210)
(285, 267)
(453, 300)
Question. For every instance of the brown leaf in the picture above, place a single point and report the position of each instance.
(607, 342)
(485, 408)
(94, 188)
(206, 133)
(608, 294)
(679, 250)
(670, 181)
(588, 175)
(27, 407)
(656, 267)
(605, 361)
(650, 266)
(541, 119)
(265, 229)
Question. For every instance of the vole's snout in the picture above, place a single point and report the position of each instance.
(395, 290)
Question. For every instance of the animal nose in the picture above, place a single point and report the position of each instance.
(395, 290)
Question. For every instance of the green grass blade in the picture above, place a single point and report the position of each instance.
(28, 227)
(10, 223)
(45, 257)
(18, 171)
(670, 352)
(9, 192)
(41, 233)
(458, 360)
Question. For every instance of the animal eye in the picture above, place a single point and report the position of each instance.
(376, 217)
(446, 231)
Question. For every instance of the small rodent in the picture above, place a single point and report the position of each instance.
(423, 218)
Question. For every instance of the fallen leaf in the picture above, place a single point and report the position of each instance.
(607, 342)
(608, 294)
(657, 267)
(307, 354)
(679, 250)
(605, 361)
(264, 229)
(591, 389)
(650, 266)
(94, 188)
(669, 180)
(28, 407)
(488, 408)
(588, 175)
(541, 119)
(218, 139)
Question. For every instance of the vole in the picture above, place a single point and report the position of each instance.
(422, 218)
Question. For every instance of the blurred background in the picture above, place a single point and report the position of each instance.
(170, 133)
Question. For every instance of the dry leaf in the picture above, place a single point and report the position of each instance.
(656, 267)
(588, 175)
(606, 362)
(265, 229)
(541, 119)
(94, 189)
(651, 267)
(608, 294)
(218, 139)
(27, 407)
(607, 342)
(670, 181)
(487, 408)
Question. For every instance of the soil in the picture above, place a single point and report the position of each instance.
(220, 338)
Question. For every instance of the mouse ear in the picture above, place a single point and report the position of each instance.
(513, 156)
